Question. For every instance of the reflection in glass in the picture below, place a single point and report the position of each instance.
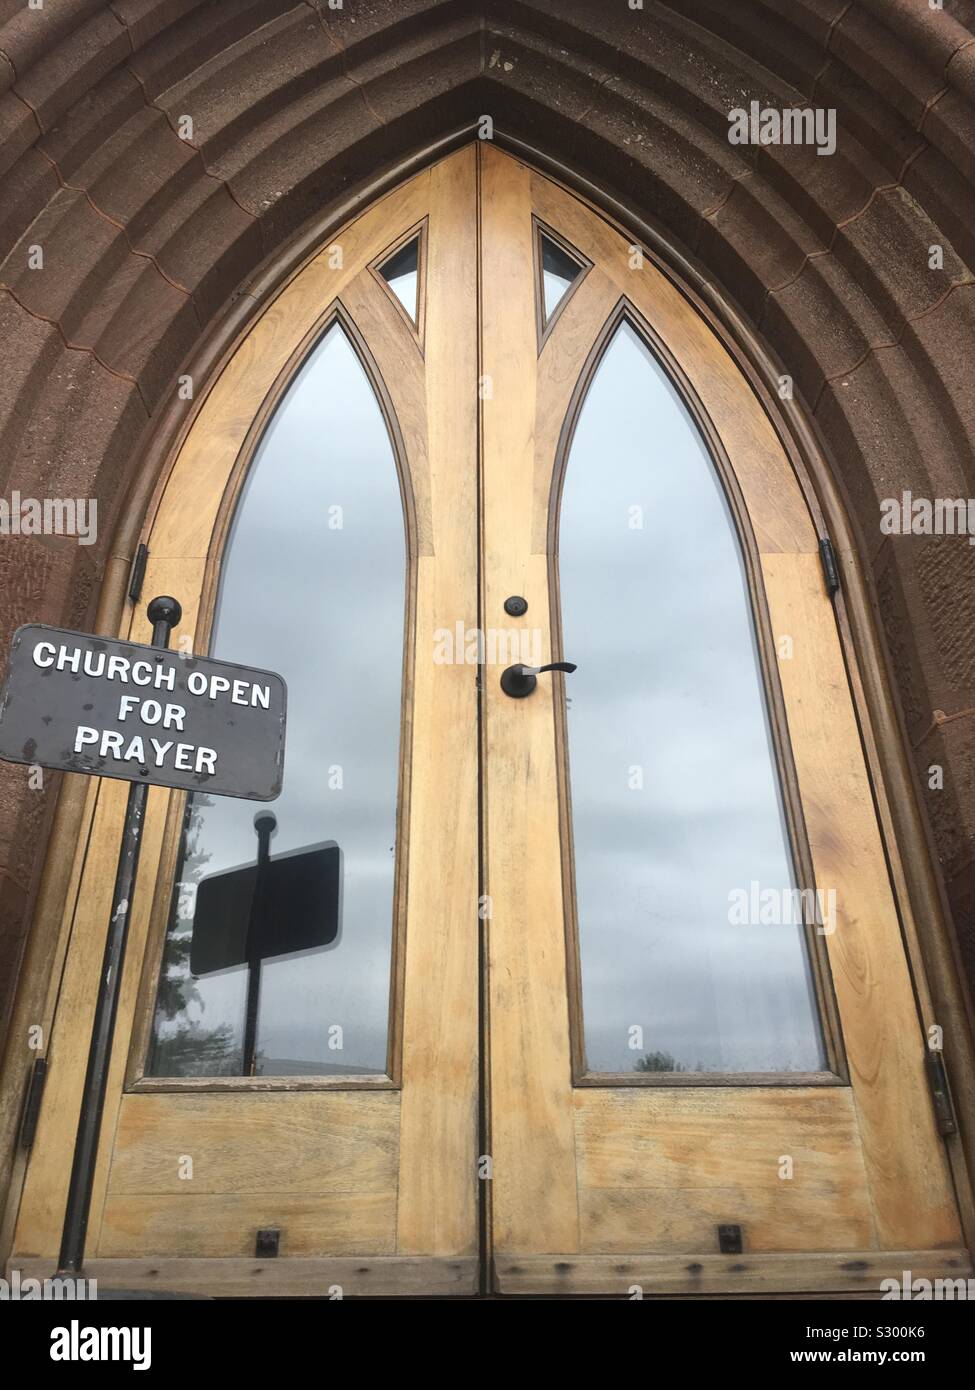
(559, 271)
(401, 273)
(312, 586)
(675, 795)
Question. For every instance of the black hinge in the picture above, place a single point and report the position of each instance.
(267, 1244)
(944, 1111)
(32, 1102)
(138, 571)
(831, 570)
(729, 1240)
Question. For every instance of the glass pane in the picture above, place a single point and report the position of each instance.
(401, 275)
(676, 803)
(559, 270)
(313, 586)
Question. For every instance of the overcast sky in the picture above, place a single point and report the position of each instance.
(323, 607)
(659, 622)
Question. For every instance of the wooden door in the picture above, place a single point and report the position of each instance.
(484, 304)
(612, 1180)
(367, 1173)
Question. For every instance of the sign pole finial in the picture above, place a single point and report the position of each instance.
(164, 610)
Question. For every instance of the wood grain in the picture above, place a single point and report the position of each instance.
(594, 1188)
(910, 1184)
(330, 1278)
(314, 1149)
(279, 1141)
(659, 1170)
(532, 1136)
(676, 1275)
(225, 1225)
(438, 1150)
(656, 1167)
(777, 511)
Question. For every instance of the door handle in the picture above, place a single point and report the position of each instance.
(519, 681)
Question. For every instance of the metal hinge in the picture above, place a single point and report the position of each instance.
(944, 1111)
(32, 1102)
(268, 1244)
(138, 571)
(831, 570)
(729, 1240)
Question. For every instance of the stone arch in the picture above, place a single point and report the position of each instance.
(156, 234)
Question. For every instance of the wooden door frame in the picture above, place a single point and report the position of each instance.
(416, 1126)
(734, 483)
(564, 1189)
(931, 948)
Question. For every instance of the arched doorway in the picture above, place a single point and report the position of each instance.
(617, 977)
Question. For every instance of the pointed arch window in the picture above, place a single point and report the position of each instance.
(676, 801)
(315, 560)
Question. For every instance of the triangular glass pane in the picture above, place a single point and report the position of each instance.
(559, 272)
(401, 273)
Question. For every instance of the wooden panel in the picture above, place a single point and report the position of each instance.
(437, 1179)
(907, 1169)
(192, 1224)
(673, 1275)
(402, 369)
(780, 1216)
(278, 1141)
(299, 1278)
(581, 1178)
(662, 1137)
(559, 367)
(777, 511)
(659, 1169)
(45, 1193)
(532, 1139)
(313, 1145)
(191, 495)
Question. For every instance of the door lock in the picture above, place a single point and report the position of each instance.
(519, 681)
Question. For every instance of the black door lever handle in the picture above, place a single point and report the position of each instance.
(519, 681)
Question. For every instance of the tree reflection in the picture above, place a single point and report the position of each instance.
(658, 1061)
(191, 1049)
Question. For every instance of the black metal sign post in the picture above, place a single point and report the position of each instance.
(265, 824)
(164, 614)
(110, 708)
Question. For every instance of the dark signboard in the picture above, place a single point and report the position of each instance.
(297, 907)
(143, 714)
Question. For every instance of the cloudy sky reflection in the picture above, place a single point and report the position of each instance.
(659, 622)
(324, 607)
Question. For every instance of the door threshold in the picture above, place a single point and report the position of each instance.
(670, 1276)
(232, 1277)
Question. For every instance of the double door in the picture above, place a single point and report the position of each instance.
(587, 982)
